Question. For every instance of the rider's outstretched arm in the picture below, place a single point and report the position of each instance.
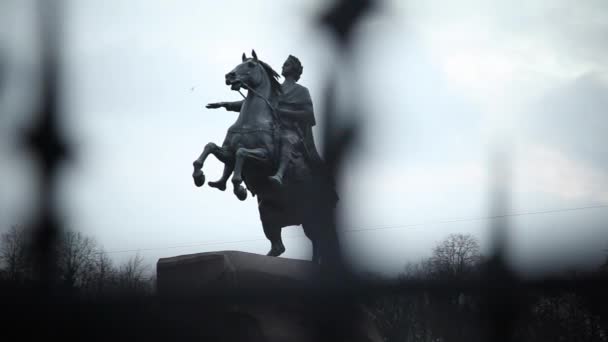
(230, 106)
(233, 106)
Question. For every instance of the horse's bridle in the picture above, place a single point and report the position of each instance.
(277, 121)
(255, 92)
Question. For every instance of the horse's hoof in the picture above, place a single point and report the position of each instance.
(218, 185)
(199, 178)
(240, 192)
(275, 252)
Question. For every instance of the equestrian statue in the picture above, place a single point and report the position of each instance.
(270, 148)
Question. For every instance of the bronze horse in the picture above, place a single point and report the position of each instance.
(249, 152)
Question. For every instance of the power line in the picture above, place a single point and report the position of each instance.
(357, 230)
(185, 245)
(477, 218)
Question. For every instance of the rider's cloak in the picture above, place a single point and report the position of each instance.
(297, 98)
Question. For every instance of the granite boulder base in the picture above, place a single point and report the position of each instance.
(269, 298)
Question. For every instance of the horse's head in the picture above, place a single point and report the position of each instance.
(252, 72)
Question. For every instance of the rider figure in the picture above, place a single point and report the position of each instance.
(296, 114)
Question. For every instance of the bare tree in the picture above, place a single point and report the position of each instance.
(13, 253)
(81, 265)
(421, 270)
(76, 259)
(457, 255)
(103, 275)
(131, 275)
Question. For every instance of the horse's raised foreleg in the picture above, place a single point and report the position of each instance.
(240, 156)
(221, 183)
(228, 159)
(222, 155)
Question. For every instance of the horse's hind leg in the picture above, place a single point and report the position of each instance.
(321, 230)
(309, 231)
(273, 233)
(241, 154)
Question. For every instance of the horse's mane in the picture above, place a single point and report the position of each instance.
(274, 78)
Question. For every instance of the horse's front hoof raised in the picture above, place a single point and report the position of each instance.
(218, 185)
(240, 192)
(199, 178)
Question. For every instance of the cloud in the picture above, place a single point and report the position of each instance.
(544, 169)
(572, 117)
(501, 53)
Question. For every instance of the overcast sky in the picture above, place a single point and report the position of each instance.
(437, 87)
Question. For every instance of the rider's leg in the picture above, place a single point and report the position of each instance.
(284, 161)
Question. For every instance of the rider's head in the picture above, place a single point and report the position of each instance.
(292, 67)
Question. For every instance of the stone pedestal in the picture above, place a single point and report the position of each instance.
(268, 298)
(203, 273)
